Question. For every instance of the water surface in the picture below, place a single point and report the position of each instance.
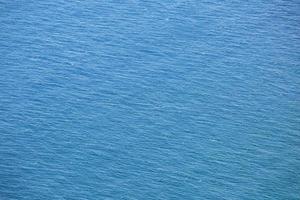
(149, 99)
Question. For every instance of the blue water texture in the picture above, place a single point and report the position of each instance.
(149, 100)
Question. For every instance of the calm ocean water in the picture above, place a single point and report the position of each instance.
(149, 99)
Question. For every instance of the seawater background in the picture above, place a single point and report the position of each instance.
(149, 99)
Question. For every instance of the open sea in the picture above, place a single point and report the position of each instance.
(149, 100)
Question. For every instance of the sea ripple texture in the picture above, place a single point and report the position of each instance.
(149, 100)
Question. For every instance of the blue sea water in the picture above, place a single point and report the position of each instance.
(149, 99)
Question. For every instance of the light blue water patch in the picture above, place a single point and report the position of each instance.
(149, 99)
